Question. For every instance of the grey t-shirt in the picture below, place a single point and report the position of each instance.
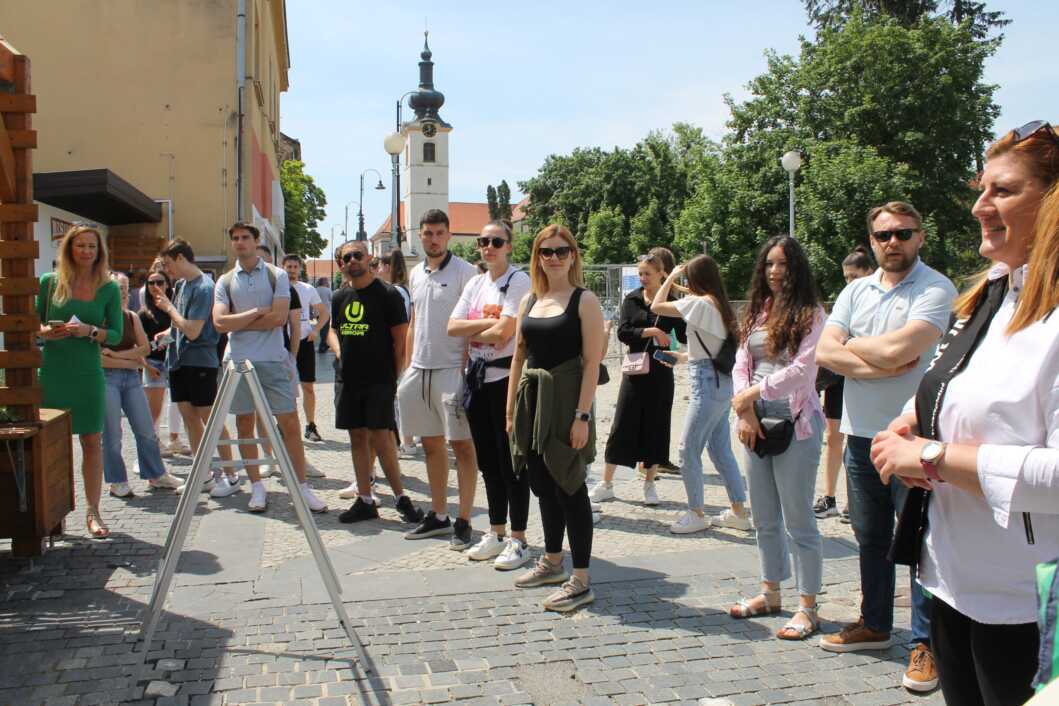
(252, 289)
(194, 301)
(765, 365)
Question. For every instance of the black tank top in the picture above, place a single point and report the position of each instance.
(553, 340)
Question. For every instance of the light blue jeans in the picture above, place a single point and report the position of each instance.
(706, 425)
(124, 393)
(781, 495)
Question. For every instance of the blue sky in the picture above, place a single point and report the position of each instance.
(525, 80)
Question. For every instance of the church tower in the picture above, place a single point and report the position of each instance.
(425, 176)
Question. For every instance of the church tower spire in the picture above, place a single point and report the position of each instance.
(426, 102)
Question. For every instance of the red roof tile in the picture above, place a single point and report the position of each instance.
(464, 218)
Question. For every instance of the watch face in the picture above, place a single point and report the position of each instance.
(930, 452)
(430, 129)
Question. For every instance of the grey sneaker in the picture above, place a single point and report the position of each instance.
(543, 573)
(570, 595)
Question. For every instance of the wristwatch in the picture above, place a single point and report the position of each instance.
(930, 458)
(581, 415)
(93, 332)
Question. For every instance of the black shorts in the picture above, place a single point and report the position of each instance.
(306, 361)
(365, 406)
(833, 400)
(194, 385)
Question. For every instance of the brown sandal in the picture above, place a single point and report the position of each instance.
(744, 608)
(101, 531)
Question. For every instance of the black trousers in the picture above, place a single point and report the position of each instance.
(503, 492)
(562, 514)
(980, 664)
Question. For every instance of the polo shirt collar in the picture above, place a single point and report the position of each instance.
(917, 269)
(444, 263)
(260, 265)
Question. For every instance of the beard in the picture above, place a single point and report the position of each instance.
(434, 250)
(899, 263)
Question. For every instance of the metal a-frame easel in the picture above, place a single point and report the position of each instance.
(235, 373)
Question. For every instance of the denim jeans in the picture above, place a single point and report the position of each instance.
(706, 425)
(872, 510)
(781, 495)
(125, 393)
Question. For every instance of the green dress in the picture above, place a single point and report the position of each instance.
(72, 375)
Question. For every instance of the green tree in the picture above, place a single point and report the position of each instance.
(832, 14)
(648, 229)
(467, 251)
(606, 237)
(522, 248)
(490, 200)
(503, 201)
(303, 209)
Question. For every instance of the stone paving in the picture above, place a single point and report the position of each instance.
(248, 620)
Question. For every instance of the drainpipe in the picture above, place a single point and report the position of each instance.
(169, 215)
(240, 92)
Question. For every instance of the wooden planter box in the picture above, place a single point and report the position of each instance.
(49, 488)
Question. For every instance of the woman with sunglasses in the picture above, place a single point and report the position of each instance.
(485, 316)
(641, 428)
(982, 433)
(554, 372)
(154, 321)
(122, 363)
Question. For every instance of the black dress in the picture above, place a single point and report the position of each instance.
(643, 417)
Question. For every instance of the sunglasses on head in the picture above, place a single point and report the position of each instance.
(355, 255)
(497, 243)
(1033, 128)
(156, 282)
(562, 252)
(902, 234)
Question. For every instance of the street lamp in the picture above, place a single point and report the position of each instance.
(792, 162)
(394, 144)
(345, 228)
(361, 234)
(331, 247)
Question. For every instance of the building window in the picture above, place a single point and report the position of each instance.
(428, 152)
(429, 181)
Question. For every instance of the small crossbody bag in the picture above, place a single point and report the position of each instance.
(638, 363)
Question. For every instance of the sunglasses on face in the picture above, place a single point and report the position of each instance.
(902, 234)
(1032, 128)
(156, 282)
(561, 252)
(355, 255)
(497, 243)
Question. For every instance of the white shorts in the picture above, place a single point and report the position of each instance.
(430, 404)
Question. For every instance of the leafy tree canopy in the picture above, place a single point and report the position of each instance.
(303, 209)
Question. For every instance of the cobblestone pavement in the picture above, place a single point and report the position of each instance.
(249, 621)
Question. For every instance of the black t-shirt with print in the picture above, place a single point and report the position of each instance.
(362, 319)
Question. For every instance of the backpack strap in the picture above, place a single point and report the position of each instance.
(226, 282)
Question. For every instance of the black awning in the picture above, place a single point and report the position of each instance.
(97, 194)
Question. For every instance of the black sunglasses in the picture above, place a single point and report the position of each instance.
(156, 282)
(497, 243)
(562, 252)
(1032, 128)
(902, 234)
(355, 255)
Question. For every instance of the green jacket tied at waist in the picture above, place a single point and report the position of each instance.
(545, 403)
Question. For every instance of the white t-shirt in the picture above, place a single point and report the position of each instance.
(309, 298)
(482, 299)
(703, 318)
(434, 296)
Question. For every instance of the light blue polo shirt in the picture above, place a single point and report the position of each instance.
(252, 289)
(866, 308)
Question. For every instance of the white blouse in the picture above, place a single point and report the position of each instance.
(976, 555)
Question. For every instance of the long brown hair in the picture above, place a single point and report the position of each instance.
(65, 267)
(539, 280)
(398, 269)
(1040, 153)
(704, 279)
(791, 313)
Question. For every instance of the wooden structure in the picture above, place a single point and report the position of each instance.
(36, 462)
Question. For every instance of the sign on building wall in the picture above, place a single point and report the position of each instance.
(59, 228)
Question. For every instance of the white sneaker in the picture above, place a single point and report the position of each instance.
(601, 492)
(408, 451)
(226, 485)
(208, 485)
(650, 494)
(514, 555)
(265, 470)
(488, 547)
(167, 450)
(179, 447)
(596, 507)
(167, 480)
(121, 490)
(315, 503)
(690, 522)
(258, 497)
(312, 471)
(349, 492)
(730, 519)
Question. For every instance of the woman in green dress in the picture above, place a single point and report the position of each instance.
(80, 308)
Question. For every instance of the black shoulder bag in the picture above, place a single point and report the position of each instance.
(951, 357)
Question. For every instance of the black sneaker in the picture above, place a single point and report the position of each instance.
(408, 511)
(825, 507)
(311, 434)
(461, 535)
(669, 467)
(431, 526)
(844, 517)
(359, 511)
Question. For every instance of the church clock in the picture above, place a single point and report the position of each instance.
(430, 129)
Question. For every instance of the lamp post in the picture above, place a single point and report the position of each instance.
(792, 162)
(345, 228)
(393, 144)
(361, 234)
(331, 247)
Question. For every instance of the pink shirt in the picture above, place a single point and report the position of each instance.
(796, 381)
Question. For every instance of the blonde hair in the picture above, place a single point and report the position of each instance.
(538, 279)
(65, 267)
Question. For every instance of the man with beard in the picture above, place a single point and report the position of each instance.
(367, 336)
(881, 336)
(430, 394)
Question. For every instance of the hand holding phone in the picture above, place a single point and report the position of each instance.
(664, 358)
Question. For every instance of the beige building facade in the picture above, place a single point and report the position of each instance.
(180, 98)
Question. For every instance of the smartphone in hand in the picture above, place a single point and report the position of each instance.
(663, 357)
